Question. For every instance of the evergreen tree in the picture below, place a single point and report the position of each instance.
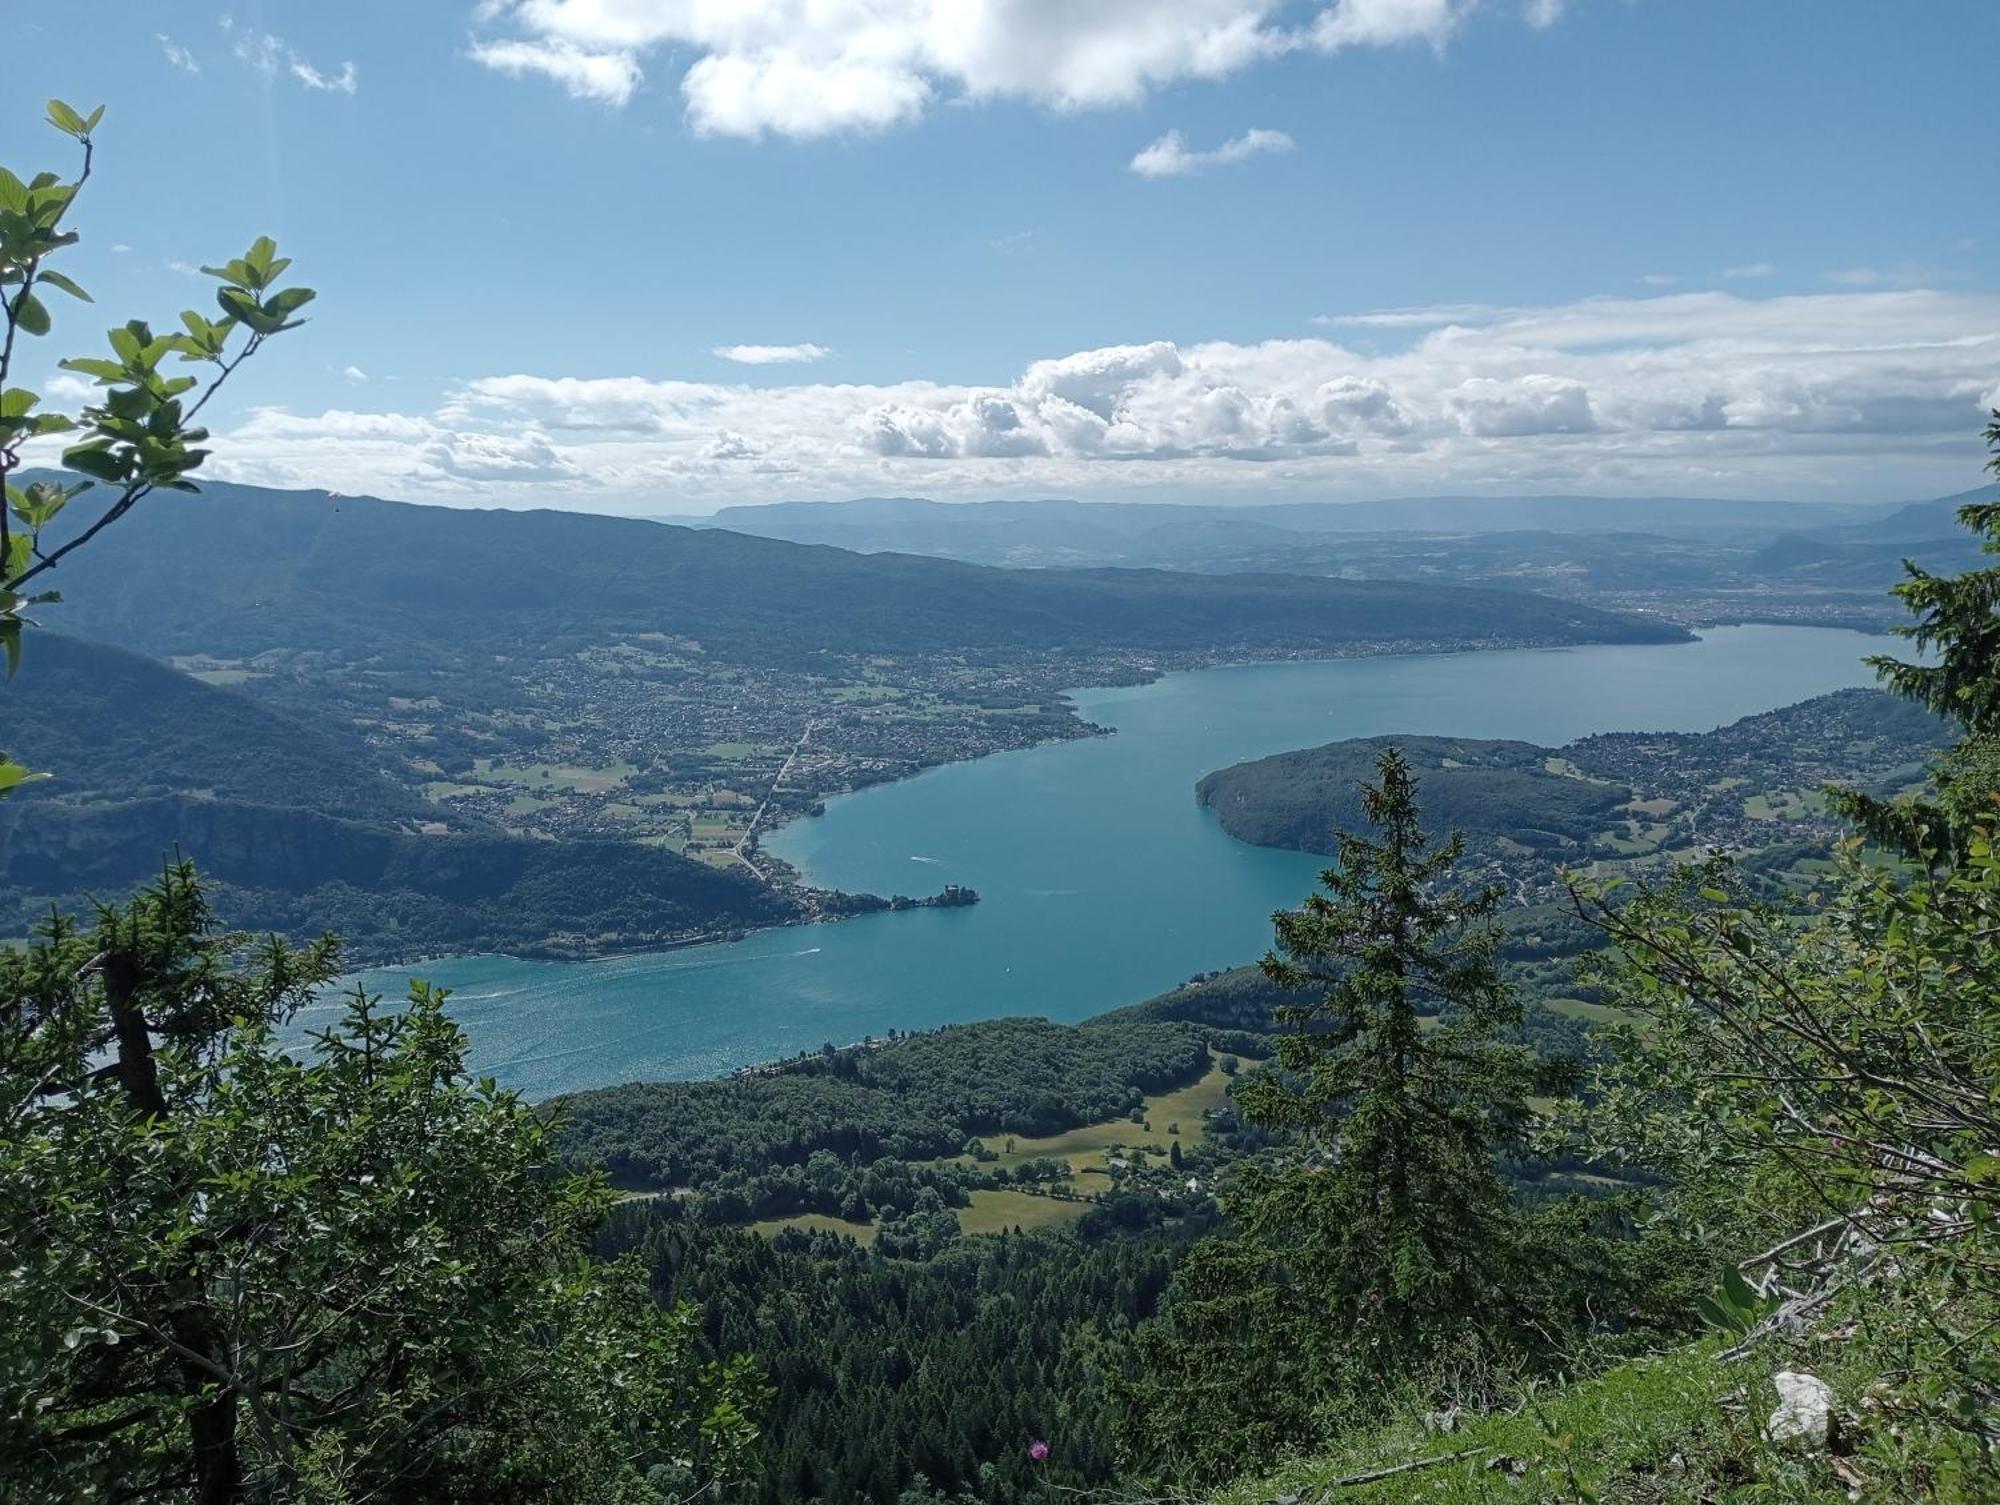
(1384, 1243)
(233, 1274)
(1958, 621)
(1817, 1093)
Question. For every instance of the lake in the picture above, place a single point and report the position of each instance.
(1101, 881)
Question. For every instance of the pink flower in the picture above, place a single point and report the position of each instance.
(1038, 1450)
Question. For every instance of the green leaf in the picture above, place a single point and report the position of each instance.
(30, 315)
(13, 192)
(95, 460)
(10, 643)
(17, 402)
(56, 279)
(259, 256)
(103, 370)
(13, 775)
(1738, 1290)
(63, 118)
(90, 121)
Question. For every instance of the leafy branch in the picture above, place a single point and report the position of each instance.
(139, 435)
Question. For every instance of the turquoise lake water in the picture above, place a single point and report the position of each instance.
(1101, 881)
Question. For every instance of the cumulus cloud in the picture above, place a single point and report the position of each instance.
(607, 77)
(274, 57)
(805, 68)
(1707, 392)
(1536, 404)
(772, 355)
(1169, 156)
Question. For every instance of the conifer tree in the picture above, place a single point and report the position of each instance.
(1958, 620)
(1385, 1243)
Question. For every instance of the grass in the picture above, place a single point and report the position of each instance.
(815, 1222)
(1590, 1013)
(997, 1211)
(444, 789)
(1788, 804)
(1614, 1438)
(1653, 807)
(1085, 1149)
(548, 776)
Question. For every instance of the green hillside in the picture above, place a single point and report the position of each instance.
(242, 569)
(1613, 795)
(300, 833)
(1487, 788)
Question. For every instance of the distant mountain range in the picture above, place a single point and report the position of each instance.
(1059, 532)
(242, 569)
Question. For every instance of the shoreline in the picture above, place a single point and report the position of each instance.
(1163, 665)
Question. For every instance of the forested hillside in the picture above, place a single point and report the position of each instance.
(239, 569)
(1610, 796)
(298, 831)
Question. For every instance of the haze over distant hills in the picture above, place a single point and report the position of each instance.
(1696, 559)
(1005, 532)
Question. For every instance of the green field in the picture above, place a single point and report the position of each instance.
(997, 1211)
(1085, 1149)
(556, 775)
(815, 1222)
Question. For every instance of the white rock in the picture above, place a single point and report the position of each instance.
(1804, 1417)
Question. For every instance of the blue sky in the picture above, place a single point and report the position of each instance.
(1724, 247)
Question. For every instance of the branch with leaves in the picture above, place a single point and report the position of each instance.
(139, 435)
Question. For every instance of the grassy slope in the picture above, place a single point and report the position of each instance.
(1672, 1427)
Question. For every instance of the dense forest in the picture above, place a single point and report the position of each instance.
(918, 1098)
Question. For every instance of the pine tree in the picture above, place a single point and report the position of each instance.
(1385, 1243)
(1958, 620)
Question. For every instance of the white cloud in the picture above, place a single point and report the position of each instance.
(273, 55)
(1660, 279)
(63, 387)
(1902, 274)
(772, 355)
(1382, 23)
(355, 375)
(607, 77)
(1169, 156)
(1838, 393)
(1749, 271)
(805, 68)
(1533, 404)
(176, 54)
